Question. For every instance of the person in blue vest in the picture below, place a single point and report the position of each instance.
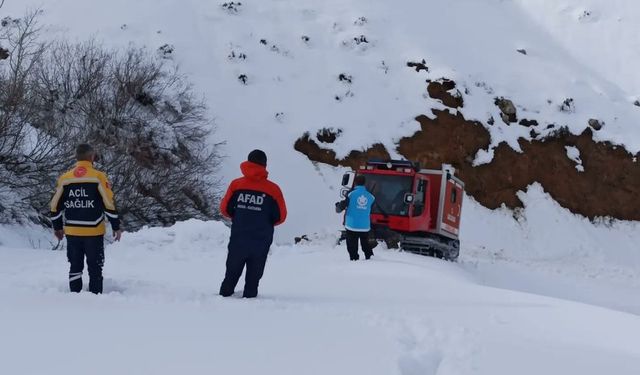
(358, 219)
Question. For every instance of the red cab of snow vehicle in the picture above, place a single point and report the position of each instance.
(419, 209)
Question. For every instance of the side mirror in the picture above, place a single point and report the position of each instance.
(344, 192)
(409, 198)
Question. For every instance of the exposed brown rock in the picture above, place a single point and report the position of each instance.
(568, 106)
(534, 134)
(509, 112)
(303, 238)
(327, 135)
(346, 78)
(315, 153)
(418, 66)
(445, 139)
(609, 186)
(528, 123)
(441, 90)
(596, 124)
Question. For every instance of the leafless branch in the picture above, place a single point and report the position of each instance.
(141, 114)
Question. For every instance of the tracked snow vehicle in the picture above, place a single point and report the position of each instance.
(416, 209)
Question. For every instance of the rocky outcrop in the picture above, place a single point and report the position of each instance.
(596, 124)
(310, 147)
(443, 90)
(328, 135)
(508, 111)
(528, 123)
(418, 65)
(608, 187)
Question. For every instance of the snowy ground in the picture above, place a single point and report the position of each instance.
(318, 313)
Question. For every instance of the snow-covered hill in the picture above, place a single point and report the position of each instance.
(273, 70)
(292, 54)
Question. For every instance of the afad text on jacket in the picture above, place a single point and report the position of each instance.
(255, 206)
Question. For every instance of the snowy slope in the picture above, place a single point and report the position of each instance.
(318, 314)
(292, 82)
(601, 35)
(547, 292)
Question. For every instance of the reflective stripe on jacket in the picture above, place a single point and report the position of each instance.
(82, 199)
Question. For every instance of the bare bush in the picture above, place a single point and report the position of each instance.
(25, 154)
(141, 113)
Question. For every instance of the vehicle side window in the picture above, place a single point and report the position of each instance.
(420, 200)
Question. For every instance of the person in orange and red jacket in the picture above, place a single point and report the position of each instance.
(82, 200)
(256, 206)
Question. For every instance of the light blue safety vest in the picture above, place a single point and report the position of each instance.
(359, 210)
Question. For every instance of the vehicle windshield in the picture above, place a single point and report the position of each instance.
(389, 192)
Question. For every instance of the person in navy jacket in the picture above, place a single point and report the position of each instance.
(255, 205)
(358, 219)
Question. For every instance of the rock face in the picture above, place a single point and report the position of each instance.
(596, 124)
(509, 113)
(418, 65)
(442, 90)
(309, 147)
(568, 106)
(328, 135)
(4, 54)
(528, 123)
(609, 185)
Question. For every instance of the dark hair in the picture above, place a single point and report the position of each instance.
(360, 180)
(258, 157)
(84, 152)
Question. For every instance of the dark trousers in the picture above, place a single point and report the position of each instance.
(352, 244)
(93, 249)
(238, 258)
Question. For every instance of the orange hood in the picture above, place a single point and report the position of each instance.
(254, 171)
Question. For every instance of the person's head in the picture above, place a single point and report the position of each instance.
(84, 152)
(258, 157)
(360, 180)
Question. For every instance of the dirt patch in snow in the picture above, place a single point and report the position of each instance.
(310, 147)
(608, 187)
(443, 90)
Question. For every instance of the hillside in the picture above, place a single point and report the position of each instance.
(343, 66)
(535, 103)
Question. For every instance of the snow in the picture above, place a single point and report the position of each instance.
(539, 290)
(552, 252)
(317, 313)
(573, 153)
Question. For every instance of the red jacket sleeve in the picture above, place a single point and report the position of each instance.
(224, 204)
(282, 206)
